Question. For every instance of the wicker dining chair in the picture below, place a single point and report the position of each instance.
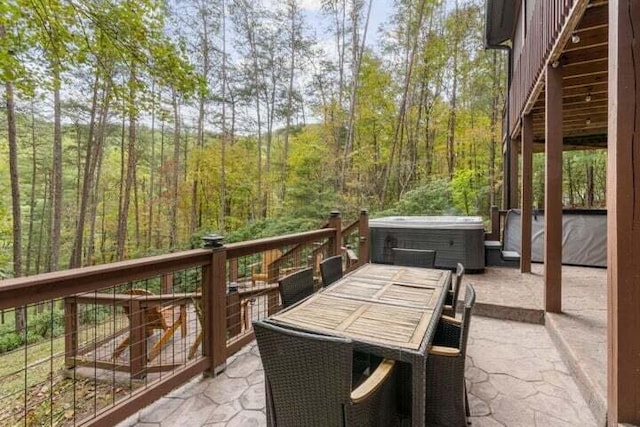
(414, 257)
(447, 404)
(296, 286)
(452, 297)
(308, 381)
(331, 270)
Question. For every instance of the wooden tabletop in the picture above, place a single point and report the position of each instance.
(377, 303)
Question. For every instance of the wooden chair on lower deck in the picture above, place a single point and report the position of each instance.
(446, 394)
(265, 271)
(308, 381)
(156, 318)
(414, 257)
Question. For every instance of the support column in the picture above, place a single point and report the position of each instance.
(553, 191)
(526, 193)
(623, 215)
(513, 175)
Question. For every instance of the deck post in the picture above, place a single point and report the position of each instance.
(166, 283)
(335, 242)
(553, 190)
(513, 175)
(214, 306)
(526, 194)
(363, 232)
(623, 216)
(70, 332)
(137, 340)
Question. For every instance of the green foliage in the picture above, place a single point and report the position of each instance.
(48, 324)
(433, 198)
(93, 313)
(272, 227)
(464, 191)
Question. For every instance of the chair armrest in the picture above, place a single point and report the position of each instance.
(450, 320)
(373, 383)
(440, 350)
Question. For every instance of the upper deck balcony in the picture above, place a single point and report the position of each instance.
(569, 33)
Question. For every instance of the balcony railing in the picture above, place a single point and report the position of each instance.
(547, 21)
(101, 342)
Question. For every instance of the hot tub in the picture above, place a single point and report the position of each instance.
(454, 238)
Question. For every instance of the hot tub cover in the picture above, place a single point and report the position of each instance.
(584, 236)
(431, 222)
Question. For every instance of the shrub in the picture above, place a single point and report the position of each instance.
(9, 341)
(49, 323)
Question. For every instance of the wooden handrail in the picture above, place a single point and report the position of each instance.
(42, 287)
(240, 249)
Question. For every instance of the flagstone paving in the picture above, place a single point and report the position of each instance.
(515, 377)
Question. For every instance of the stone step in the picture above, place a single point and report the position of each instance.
(496, 257)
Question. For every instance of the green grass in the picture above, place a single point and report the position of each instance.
(45, 381)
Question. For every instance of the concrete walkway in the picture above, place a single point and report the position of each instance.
(515, 378)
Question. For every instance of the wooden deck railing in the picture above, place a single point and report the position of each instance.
(215, 291)
(547, 21)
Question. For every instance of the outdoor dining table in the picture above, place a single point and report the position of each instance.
(386, 310)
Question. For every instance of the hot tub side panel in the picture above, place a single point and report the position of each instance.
(451, 245)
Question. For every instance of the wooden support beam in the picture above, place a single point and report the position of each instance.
(335, 245)
(623, 218)
(218, 305)
(526, 193)
(363, 231)
(553, 191)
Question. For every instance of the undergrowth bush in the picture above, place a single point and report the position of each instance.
(48, 324)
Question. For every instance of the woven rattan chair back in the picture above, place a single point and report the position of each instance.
(456, 286)
(307, 377)
(469, 301)
(446, 398)
(414, 257)
(296, 286)
(331, 270)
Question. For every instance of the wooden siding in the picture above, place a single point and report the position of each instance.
(543, 32)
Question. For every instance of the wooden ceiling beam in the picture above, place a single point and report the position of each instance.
(586, 69)
(570, 101)
(575, 114)
(583, 56)
(588, 39)
(585, 81)
(594, 18)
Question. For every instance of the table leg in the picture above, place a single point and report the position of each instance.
(419, 389)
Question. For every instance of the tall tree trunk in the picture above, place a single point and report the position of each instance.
(158, 225)
(20, 312)
(292, 10)
(223, 184)
(97, 166)
(56, 184)
(357, 61)
(173, 225)
(451, 128)
(87, 182)
(121, 237)
(399, 125)
(152, 166)
(32, 201)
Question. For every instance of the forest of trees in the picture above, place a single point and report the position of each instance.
(132, 127)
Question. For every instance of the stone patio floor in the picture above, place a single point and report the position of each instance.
(515, 376)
